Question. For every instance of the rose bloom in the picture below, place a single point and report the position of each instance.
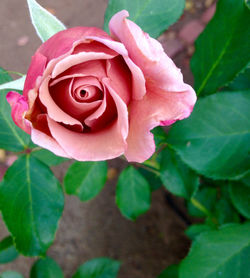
(91, 96)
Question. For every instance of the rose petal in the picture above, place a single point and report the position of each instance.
(87, 93)
(101, 145)
(76, 59)
(65, 100)
(62, 42)
(47, 142)
(155, 109)
(19, 107)
(54, 111)
(86, 81)
(121, 107)
(93, 46)
(147, 53)
(37, 66)
(105, 114)
(54, 49)
(108, 143)
(95, 68)
(120, 78)
(139, 83)
(139, 89)
(91, 120)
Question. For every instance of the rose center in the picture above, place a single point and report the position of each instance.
(87, 93)
(83, 93)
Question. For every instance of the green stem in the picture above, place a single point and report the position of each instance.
(148, 168)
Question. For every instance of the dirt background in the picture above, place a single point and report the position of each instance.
(96, 228)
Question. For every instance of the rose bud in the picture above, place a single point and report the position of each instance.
(91, 96)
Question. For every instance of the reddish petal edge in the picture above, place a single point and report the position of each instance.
(19, 107)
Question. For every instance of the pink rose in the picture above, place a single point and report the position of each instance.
(91, 96)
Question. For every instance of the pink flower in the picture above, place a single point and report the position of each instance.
(91, 96)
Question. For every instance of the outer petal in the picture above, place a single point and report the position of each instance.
(147, 53)
(19, 106)
(45, 141)
(155, 109)
(37, 66)
(63, 41)
(96, 146)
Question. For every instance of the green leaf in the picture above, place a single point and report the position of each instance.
(32, 202)
(17, 84)
(133, 194)
(48, 157)
(152, 178)
(222, 253)
(4, 77)
(171, 271)
(160, 135)
(240, 196)
(45, 23)
(205, 196)
(178, 178)
(11, 274)
(196, 229)
(247, 2)
(46, 268)
(222, 50)
(241, 82)
(12, 138)
(86, 179)
(153, 16)
(98, 268)
(223, 210)
(8, 252)
(246, 180)
(214, 140)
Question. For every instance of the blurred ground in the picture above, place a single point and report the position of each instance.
(96, 228)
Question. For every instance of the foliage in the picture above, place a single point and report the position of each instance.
(224, 37)
(212, 144)
(45, 23)
(132, 194)
(46, 268)
(8, 252)
(219, 254)
(98, 268)
(86, 179)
